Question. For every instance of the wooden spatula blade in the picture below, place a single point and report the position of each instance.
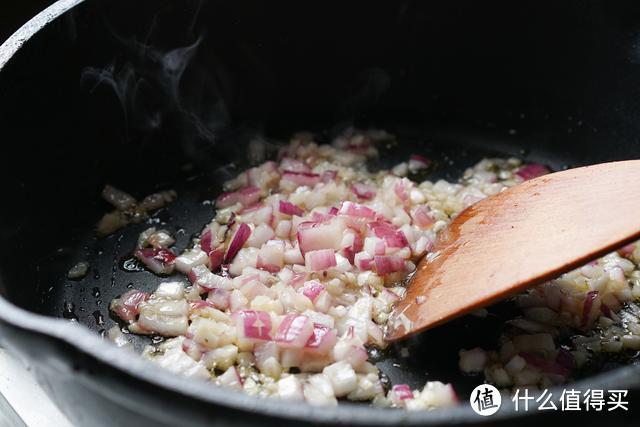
(521, 237)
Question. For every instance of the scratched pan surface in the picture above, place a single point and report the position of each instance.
(173, 95)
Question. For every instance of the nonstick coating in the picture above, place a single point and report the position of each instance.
(171, 95)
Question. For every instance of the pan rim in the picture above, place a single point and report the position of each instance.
(84, 341)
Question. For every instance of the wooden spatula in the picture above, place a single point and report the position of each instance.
(519, 238)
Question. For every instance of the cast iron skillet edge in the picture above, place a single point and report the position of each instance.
(96, 348)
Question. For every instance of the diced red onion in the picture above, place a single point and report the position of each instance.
(401, 191)
(627, 251)
(323, 302)
(200, 304)
(219, 298)
(322, 340)
(253, 325)
(402, 391)
(294, 331)
(216, 257)
(319, 217)
(547, 366)
(320, 260)
(254, 289)
(532, 171)
(606, 310)
(271, 256)
(258, 214)
(301, 178)
(158, 260)
(246, 196)
(416, 161)
(201, 276)
(293, 165)
(349, 349)
(289, 208)
(363, 261)
(590, 299)
(263, 351)
(230, 378)
(297, 279)
(126, 307)
(239, 238)
(422, 216)
(363, 191)
(328, 176)
(389, 264)
(312, 289)
(313, 236)
(396, 240)
(206, 240)
(354, 209)
(352, 243)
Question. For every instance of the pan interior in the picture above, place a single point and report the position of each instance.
(158, 95)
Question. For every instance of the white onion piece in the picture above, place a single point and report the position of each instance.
(290, 388)
(292, 357)
(350, 349)
(159, 261)
(175, 360)
(342, 377)
(266, 356)
(315, 236)
(283, 229)
(201, 276)
(319, 391)
(189, 259)
(257, 214)
(260, 235)
(164, 317)
(220, 298)
(291, 178)
(170, 290)
(246, 257)
(230, 378)
(271, 256)
(293, 165)
(357, 319)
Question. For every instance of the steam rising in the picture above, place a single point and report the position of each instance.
(154, 85)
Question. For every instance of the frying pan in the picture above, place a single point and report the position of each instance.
(152, 95)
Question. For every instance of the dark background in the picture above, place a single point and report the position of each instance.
(17, 12)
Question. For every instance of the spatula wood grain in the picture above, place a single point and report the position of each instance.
(519, 238)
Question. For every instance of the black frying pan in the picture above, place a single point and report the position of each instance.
(154, 95)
